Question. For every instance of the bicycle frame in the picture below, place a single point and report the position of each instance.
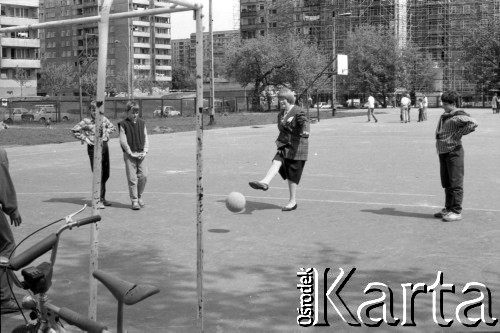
(39, 280)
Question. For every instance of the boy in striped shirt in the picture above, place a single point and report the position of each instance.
(453, 124)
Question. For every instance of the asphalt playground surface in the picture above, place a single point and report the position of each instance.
(366, 201)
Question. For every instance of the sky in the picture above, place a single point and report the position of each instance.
(183, 24)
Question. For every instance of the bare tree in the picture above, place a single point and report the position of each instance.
(21, 76)
(54, 78)
(274, 61)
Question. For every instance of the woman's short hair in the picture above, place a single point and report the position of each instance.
(287, 94)
(450, 97)
(132, 105)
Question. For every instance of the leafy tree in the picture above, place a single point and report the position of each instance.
(273, 61)
(378, 64)
(56, 77)
(481, 54)
(183, 78)
(144, 84)
(89, 80)
(419, 71)
(21, 76)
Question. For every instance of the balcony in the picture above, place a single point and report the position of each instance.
(163, 46)
(20, 42)
(163, 68)
(12, 21)
(163, 78)
(158, 35)
(163, 56)
(248, 13)
(22, 63)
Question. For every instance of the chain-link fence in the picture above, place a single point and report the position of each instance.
(71, 109)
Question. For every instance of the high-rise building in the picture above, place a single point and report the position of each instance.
(181, 52)
(432, 26)
(20, 50)
(138, 46)
(221, 40)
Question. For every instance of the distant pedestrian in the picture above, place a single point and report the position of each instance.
(85, 131)
(420, 106)
(292, 148)
(135, 145)
(425, 104)
(495, 103)
(453, 124)
(405, 104)
(8, 206)
(48, 122)
(371, 108)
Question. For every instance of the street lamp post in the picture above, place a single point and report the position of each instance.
(128, 67)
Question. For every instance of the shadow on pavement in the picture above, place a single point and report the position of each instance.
(394, 212)
(82, 201)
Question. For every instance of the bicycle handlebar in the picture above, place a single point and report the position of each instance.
(78, 320)
(46, 244)
(33, 252)
(87, 220)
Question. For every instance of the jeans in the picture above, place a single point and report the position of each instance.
(404, 114)
(105, 166)
(7, 245)
(137, 176)
(452, 178)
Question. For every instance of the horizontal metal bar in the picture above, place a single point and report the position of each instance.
(115, 16)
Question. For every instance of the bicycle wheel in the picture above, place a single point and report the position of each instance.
(29, 328)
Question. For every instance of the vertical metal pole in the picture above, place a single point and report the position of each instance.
(130, 54)
(80, 88)
(334, 64)
(199, 161)
(211, 38)
(96, 187)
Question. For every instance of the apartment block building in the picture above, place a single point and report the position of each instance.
(181, 52)
(19, 50)
(184, 50)
(432, 26)
(140, 45)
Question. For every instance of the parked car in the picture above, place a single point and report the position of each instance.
(17, 114)
(42, 113)
(168, 111)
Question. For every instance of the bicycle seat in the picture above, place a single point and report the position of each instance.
(125, 292)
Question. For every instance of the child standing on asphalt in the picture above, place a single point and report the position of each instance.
(135, 145)
(453, 124)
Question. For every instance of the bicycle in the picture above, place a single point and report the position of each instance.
(47, 317)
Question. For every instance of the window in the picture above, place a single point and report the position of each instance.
(273, 24)
(273, 11)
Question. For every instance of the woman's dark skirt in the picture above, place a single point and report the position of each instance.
(290, 169)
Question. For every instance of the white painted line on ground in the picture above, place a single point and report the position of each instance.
(387, 204)
(359, 192)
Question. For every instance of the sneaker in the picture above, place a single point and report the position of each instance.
(441, 213)
(100, 205)
(452, 217)
(141, 203)
(135, 205)
(9, 306)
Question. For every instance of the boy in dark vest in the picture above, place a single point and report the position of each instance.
(135, 146)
